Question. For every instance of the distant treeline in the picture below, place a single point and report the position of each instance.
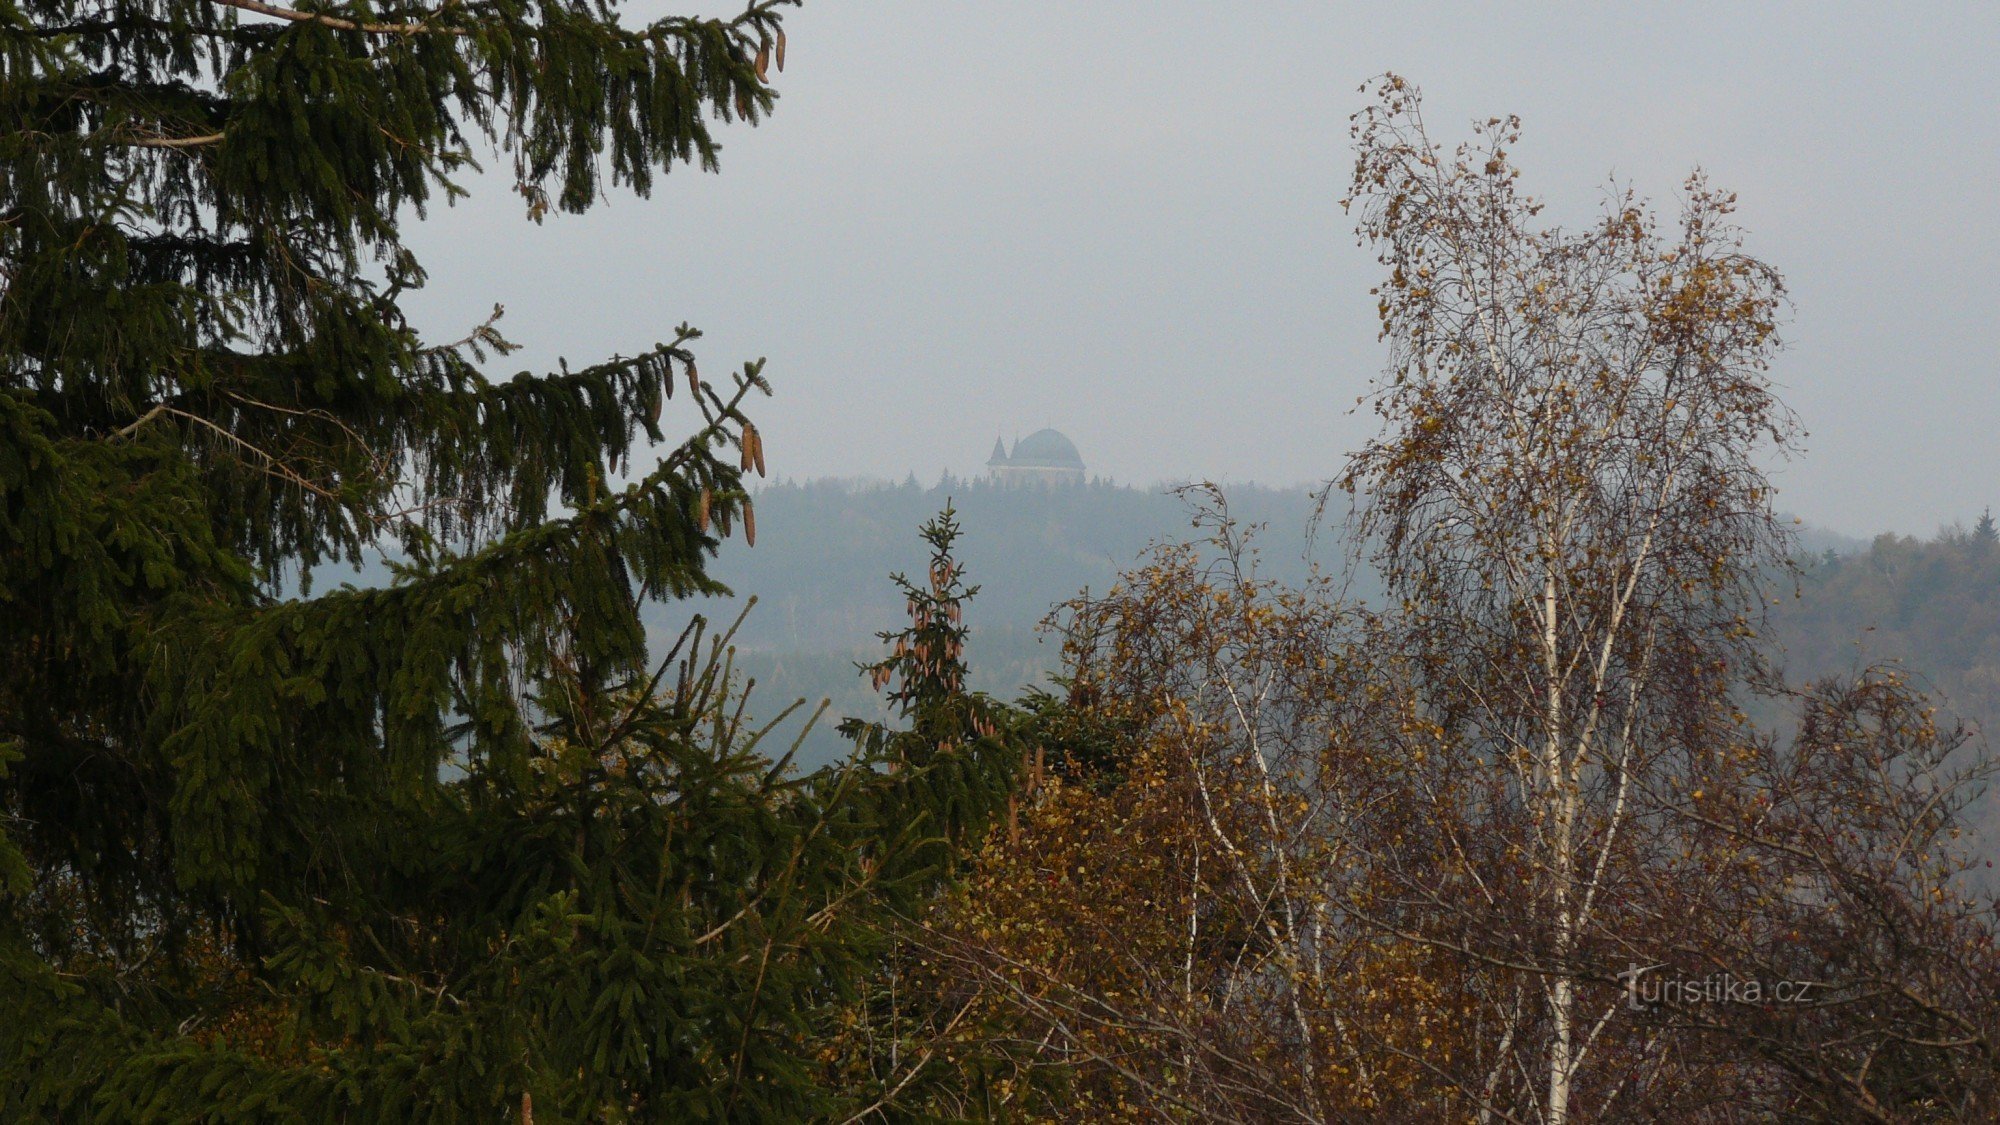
(1933, 606)
(825, 550)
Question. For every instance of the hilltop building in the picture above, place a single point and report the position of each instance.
(1044, 457)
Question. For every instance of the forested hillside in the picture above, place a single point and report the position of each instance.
(1931, 605)
(825, 549)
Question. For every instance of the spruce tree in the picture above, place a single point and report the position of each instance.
(906, 1047)
(923, 679)
(435, 851)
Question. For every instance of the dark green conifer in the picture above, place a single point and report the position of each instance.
(923, 676)
(906, 1047)
(961, 736)
(440, 850)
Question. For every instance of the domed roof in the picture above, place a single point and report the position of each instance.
(1046, 448)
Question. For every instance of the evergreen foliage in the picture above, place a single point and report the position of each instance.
(441, 849)
(923, 678)
(905, 1045)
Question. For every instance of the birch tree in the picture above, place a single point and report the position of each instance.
(1567, 505)
(1862, 919)
(1408, 861)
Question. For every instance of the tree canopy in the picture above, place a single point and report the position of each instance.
(416, 852)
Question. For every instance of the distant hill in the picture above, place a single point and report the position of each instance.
(1931, 606)
(1816, 541)
(825, 550)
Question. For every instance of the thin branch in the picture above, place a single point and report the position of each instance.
(170, 142)
(336, 22)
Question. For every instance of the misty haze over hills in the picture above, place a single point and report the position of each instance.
(820, 576)
(825, 550)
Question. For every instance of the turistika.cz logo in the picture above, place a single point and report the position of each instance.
(1644, 989)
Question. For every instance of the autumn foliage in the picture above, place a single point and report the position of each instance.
(465, 847)
(1508, 845)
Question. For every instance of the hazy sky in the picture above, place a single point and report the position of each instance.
(1122, 219)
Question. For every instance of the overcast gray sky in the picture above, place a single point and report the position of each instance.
(1122, 219)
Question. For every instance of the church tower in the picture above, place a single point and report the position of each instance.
(1044, 457)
